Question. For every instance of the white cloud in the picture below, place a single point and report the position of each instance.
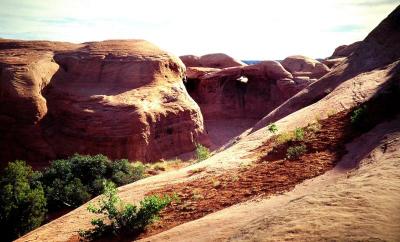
(251, 29)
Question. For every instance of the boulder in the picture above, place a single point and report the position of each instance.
(124, 99)
(303, 64)
(190, 60)
(271, 69)
(219, 60)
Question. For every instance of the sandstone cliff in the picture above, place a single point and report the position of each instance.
(124, 99)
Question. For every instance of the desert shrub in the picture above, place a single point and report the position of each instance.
(22, 200)
(116, 217)
(284, 137)
(294, 152)
(202, 152)
(123, 172)
(73, 181)
(296, 135)
(273, 128)
(358, 117)
(299, 134)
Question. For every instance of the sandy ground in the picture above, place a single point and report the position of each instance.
(343, 204)
(221, 131)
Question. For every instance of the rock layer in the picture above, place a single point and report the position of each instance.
(124, 99)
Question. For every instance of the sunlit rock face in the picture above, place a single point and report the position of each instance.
(242, 91)
(124, 99)
(215, 60)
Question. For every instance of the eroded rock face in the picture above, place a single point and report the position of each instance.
(345, 50)
(242, 91)
(124, 99)
(378, 52)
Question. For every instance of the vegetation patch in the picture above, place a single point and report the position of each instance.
(22, 200)
(321, 147)
(202, 152)
(26, 195)
(122, 219)
(294, 152)
(272, 128)
(313, 150)
(73, 181)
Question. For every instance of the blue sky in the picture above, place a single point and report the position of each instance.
(251, 29)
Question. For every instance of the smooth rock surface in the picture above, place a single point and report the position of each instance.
(124, 99)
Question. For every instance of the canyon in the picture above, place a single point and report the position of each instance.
(129, 99)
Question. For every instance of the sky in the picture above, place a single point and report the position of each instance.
(244, 29)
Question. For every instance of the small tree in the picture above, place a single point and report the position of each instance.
(122, 218)
(22, 200)
(73, 181)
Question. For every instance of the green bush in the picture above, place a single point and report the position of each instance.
(123, 172)
(273, 128)
(358, 118)
(295, 152)
(73, 181)
(299, 134)
(202, 152)
(120, 218)
(22, 200)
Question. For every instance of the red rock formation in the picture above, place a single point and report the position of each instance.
(219, 60)
(124, 99)
(345, 50)
(242, 91)
(190, 60)
(379, 51)
(197, 72)
(332, 63)
(340, 54)
(300, 65)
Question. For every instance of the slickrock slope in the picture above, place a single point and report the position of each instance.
(124, 99)
(358, 200)
(340, 54)
(377, 53)
(345, 50)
